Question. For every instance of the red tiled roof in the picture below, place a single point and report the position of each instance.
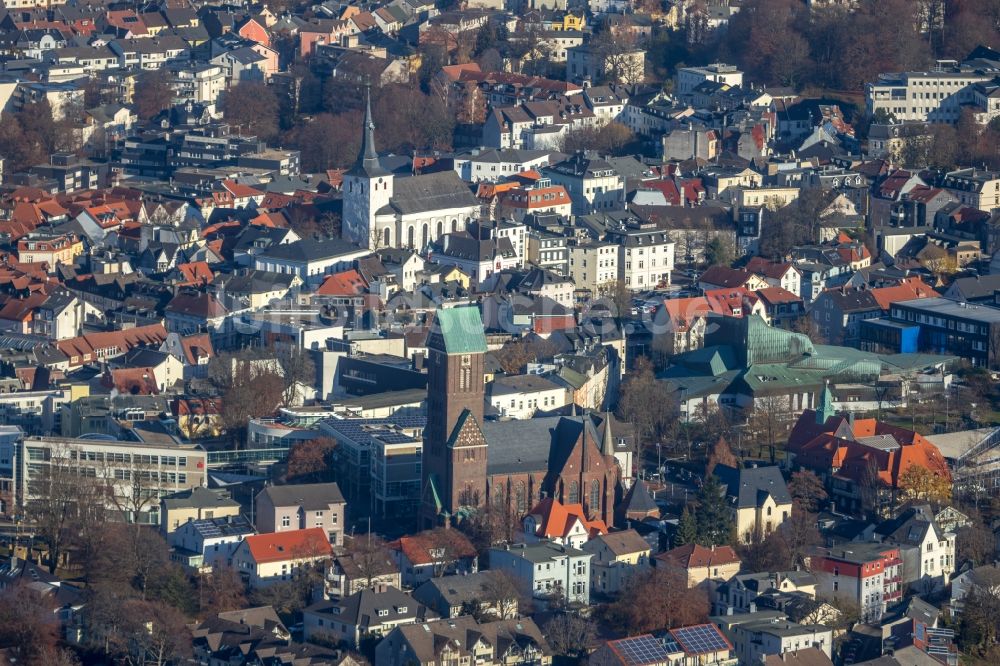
(196, 346)
(345, 283)
(310, 543)
(133, 381)
(907, 290)
(113, 343)
(692, 555)
(557, 519)
(776, 295)
(684, 311)
(241, 191)
(417, 547)
(772, 269)
(730, 302)
(196, 272)
(834, 445)
(725, 277)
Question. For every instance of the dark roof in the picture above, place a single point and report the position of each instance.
(362, 608)
(199, 498)
(462, 245)
(433, 191)
(310, 496)
(751, 485)
(639, 500)
(455, 590)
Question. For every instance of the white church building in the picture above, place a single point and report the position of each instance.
(381, 210)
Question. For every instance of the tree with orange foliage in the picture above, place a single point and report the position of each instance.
(919, 483)
(720, 454)
(309, 461)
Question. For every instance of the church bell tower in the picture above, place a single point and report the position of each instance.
(367, 188)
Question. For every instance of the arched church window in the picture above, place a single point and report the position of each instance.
(595, 497)
(573, 496)
(440, 228)
(409, 236)
(521, 497)
(386, 240)
(424, 235)
(454, 226)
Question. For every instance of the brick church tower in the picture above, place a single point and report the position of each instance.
(455, 450)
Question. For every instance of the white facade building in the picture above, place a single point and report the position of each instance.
(547, 568)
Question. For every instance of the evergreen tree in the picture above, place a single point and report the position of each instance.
(714, 520)
(687, 529)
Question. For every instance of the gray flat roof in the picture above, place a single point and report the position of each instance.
(946, 306)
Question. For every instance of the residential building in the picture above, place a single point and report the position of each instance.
(431, 554)
(689, 78)
(748, 592)
(551, 520)
(700, 565)
(617, 556)
(645, 255)
(492, 165)
(588, 62)
(547, 568)
(201, 545)
(520, 396)
(756, 636)
(974, 187)
(453, 596)
(310, 260)
(759, 499)
(360, 568)
(644, 650)
(49, 249)
(478, 258)
(928, 552)
(508, 642)
(593, 184)
(198, 503)
(266, 559)
(866, 574)
(548, 251)
(366, 613)
(593, 264)
(300, 506)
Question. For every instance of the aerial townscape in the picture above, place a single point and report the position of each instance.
(499, 332)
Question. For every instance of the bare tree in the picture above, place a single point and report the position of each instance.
(64, 499)
(501, 595)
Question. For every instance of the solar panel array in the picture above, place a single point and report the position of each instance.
(387, 430)
(641, 650)
(700, 639)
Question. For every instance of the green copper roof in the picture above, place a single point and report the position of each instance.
(462, 330)
(824, 409)
(765, 344)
